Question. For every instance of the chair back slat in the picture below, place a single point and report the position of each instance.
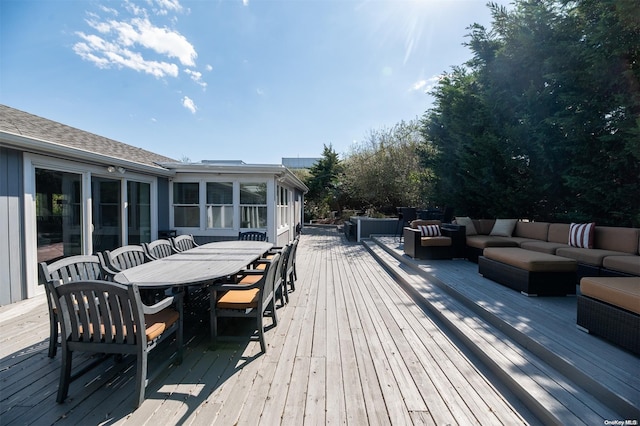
(183, 242)
(72, 268)
(270, 280)
(158, 249)
(126, 257)
(252, 236)
(102, 312)
(290, 258)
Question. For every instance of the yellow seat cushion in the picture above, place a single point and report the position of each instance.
(156, 324)
(623, 292)
(239, 299)
(250, 279)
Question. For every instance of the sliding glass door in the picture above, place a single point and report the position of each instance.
(139, 212)
(106, 213)
(58, 214)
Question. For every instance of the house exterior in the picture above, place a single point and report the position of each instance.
(64, 191)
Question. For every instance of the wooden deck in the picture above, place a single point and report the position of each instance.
(361, 342)
(563, 374)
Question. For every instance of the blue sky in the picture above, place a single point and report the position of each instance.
(251, 80)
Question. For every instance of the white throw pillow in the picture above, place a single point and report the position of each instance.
(466, 221)
(503, 227)
(429, 230)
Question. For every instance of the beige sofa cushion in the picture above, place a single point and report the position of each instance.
(624, 263)
(588, 256)
(484, 241)
(532, 230)
(484, 226)
(542, 246)
(440, 241)
(617, 239)
(558, 233)
(619, 291)
(503, 227)
(528, 260)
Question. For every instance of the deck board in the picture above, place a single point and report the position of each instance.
(352, 346)
(545, 325)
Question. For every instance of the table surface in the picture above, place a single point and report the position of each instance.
(198, 265)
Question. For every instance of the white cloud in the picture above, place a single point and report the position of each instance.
(170, 5)
(426, 85)
(419, 84)
(196, 76)
(135, 42)
(259, 92)
(108, 10)
(189, 104)
(209, 67)
(245, 2)
(105, 54)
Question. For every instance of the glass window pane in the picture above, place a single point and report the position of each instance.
(139, 212)
(219, 193)
(219, 216)
(186, 216)
(253, 193)
(106, 209)
(186, 193)
(59, 214)
(253, 217)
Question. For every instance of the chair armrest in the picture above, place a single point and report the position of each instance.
(227, 287)
(163, 304)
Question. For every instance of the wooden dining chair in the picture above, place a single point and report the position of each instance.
(66, 270)
(252, 236)
(158, 249)
(289, 269)
(183, 242)
(110, 318)
(122, 258)
(249, 298)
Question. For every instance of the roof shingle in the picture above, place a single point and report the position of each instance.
(33, 126)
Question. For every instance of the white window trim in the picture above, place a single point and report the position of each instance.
(202, 179)
(86, 171)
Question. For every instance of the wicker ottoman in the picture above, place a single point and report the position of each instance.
(609, 307)
(530, 272)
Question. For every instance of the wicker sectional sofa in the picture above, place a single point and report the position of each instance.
(609, 307)
(616, 250)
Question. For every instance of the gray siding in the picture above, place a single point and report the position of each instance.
(11, 227)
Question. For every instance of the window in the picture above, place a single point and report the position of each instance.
(253, 205)
(283, 206)
(219, 205)
(58, 214)
(139, 212)
(186, 205)
(106, 197)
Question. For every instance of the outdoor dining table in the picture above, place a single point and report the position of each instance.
(198, 265)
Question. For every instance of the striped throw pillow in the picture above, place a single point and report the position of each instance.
(581, 234)
(429, 230)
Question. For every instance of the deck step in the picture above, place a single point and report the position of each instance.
(547, 392)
